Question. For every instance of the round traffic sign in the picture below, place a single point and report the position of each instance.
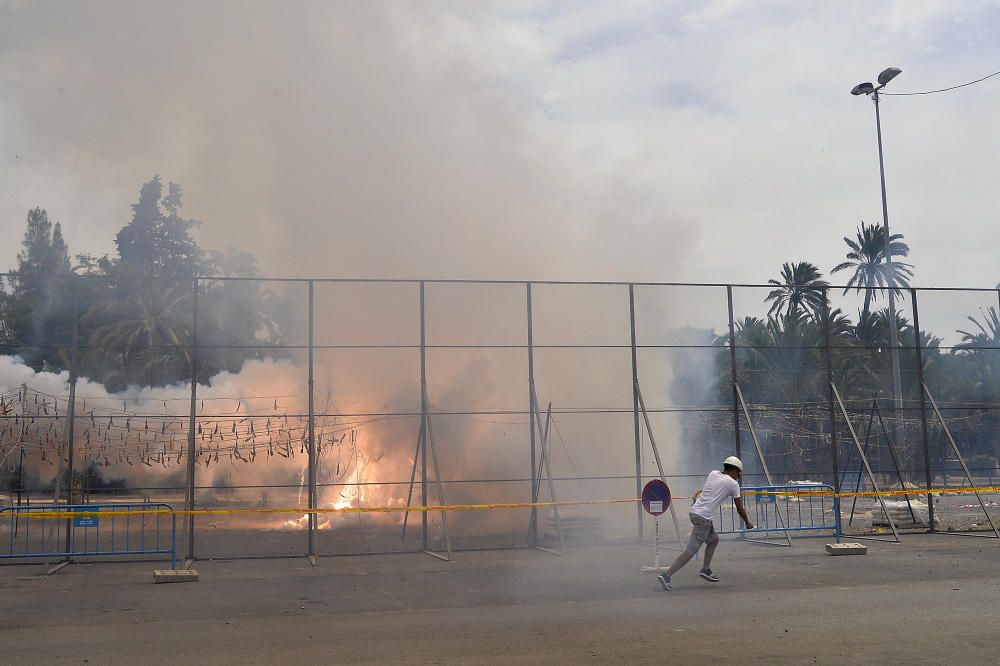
(655, 497)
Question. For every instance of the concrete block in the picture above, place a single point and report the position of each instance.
(175, 576)
(846, 549)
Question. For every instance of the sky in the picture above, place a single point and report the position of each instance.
(635, 140)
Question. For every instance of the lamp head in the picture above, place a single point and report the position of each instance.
(863, 89)
(888, 75)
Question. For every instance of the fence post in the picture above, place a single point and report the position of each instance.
(829, 379)
(732, 361)
(923, 408)
(192, 426)
(423, 422)
(635, 412)
(71, 409)
(531, 414)
(312, 522)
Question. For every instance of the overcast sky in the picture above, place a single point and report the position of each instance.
(641, 140)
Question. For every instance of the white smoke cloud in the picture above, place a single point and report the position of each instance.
(350, 138)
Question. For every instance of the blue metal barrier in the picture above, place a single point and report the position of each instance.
(781, 509)
(32, 535)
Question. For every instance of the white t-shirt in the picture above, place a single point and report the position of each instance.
(717, 489)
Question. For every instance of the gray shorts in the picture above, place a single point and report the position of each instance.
(702, 531)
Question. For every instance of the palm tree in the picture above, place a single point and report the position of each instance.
(782, 362)
(988, 335)
(142, 332)
(867, 258)
(977, 357)
(872, 329)
(801, 289)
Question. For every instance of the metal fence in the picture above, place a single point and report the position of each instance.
(785, 509)
(39, 531)
(364, 386)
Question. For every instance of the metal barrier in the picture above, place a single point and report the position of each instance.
(33, 535)
(799, 507)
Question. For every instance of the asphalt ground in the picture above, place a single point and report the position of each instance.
(931, 599)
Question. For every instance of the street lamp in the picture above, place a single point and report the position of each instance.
(871, 90)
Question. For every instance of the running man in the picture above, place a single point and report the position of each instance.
(719, 486)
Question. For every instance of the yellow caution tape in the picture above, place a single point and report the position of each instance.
(882, 493)
(27, 511)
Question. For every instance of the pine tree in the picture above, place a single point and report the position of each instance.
(37, 313)
(157, 241)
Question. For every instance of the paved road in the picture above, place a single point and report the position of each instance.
(930, 600)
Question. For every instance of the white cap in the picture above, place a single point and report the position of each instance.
(734, 461)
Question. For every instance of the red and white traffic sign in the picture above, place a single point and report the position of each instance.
(656, 497)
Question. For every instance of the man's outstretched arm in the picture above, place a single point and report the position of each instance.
(740, 509)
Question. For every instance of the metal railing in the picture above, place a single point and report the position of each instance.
(33, 531)
(785, 508)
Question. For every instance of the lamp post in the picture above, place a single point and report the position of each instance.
(872, 91)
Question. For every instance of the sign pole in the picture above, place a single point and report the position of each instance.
(655, 500)
(656, 543)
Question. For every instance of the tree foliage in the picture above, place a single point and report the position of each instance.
(37, 312)
(135, 308)
(870, 270)
(157, 241)
(800, 290)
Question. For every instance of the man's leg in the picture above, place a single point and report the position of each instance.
(682, 559)
(711, 543)
(699, 531)
(679, 563)
(709, 552)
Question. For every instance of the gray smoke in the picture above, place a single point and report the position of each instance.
(327, 138)
(349, 139)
